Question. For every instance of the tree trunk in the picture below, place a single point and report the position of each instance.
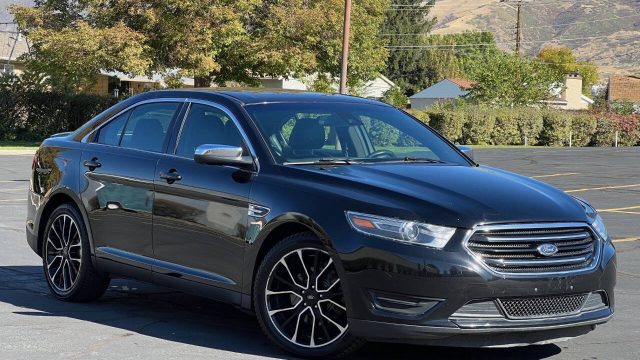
(202, 81)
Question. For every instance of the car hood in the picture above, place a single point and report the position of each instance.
(453, 195)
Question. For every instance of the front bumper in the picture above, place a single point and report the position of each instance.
(448, 279)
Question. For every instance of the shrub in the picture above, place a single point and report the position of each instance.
(605, 132)
(629, 128)
(449, 123)
(478, 126)
(530, 123)
(583, 127)
(556, 128)
(420, 115)
(505, 131)
(28, 114)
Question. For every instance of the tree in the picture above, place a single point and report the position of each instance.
(408, 25)
(72, 55)
(510, 80)
(395, 96)
(215, 40)
(562, 62)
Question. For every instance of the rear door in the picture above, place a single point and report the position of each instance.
(119, 164)
(200, 217)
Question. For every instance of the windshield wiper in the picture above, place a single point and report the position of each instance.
(323, 162)
(425, 160)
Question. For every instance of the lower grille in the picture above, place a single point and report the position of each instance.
(523, 248)
(542, 307)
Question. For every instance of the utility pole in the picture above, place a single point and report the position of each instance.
(518, 9)
(345, 46)
(519, 28)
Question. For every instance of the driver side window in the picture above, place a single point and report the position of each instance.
(206, 125)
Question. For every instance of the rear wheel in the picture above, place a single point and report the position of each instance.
(299, 300)
(66, 258)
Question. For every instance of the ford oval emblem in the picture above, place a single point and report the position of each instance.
(547, 249)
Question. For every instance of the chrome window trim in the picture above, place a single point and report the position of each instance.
(525, 226)
(86, 138)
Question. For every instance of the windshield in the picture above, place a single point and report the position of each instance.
(322, 132)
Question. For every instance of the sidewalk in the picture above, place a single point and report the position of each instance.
(25, 152)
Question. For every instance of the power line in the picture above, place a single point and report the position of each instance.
(499, 43)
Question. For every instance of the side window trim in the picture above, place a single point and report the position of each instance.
(228, 113)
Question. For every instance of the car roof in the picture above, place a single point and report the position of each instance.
(261, 96)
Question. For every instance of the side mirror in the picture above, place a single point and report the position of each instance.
(466, 150)
(214, 154)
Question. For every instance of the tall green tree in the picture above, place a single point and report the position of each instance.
(510, 80)
(212, 40)
(407, 25)
(562, 62)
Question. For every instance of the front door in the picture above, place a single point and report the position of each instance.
(119, 165)
(200, 211)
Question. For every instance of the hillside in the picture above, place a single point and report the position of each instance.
(606, 32)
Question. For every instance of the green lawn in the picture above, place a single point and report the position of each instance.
(19, 145)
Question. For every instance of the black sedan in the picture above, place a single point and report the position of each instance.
(334, 219)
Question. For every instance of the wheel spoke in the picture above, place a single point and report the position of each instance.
(332, 302)
(304, 267)
(273, 312)
(340, 327)
(284, 263)
(312, 341)
(330, 287)
(322, 272)
(295, 333)
(56, 248)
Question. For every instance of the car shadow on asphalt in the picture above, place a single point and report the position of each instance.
(140, 308)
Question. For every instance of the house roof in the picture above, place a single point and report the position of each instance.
(624, 88)
(10, 49)
(445, 89)
(463, 83)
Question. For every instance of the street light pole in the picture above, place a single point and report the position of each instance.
(345, 46)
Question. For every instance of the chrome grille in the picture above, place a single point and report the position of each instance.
(513, 249)
(541, 307)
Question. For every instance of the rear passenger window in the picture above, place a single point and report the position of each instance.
(148, 126)
(111, 133)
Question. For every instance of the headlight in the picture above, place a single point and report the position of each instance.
(594, 217)
(401, 230)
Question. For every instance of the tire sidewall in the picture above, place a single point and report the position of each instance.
(71, 211)
(282, 248)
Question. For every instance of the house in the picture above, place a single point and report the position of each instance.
(12, 45)
(376, 88)
(282, 83)
(624, 88)
(570, 96)
(373, 89)
(445, 90)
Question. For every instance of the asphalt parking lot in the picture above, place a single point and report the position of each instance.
(139, 321)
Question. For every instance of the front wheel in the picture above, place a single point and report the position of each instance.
(299, 301)
(66, 258)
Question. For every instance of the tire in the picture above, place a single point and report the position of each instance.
(313, 309)
(66, 258)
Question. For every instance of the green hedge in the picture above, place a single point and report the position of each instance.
(33, 115)
(481, 124)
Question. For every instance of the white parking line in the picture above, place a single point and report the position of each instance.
(603, 188)
(554, 175)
